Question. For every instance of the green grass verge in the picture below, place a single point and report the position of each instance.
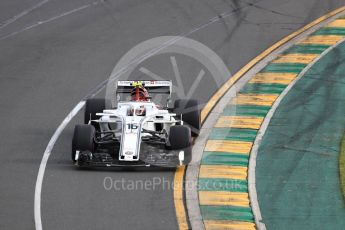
(342, 166)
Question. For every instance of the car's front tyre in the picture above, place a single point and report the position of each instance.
(83, 139)
(180, 138)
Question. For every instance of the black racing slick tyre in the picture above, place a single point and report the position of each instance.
(93, 106)
(83, 139)
(180, 139)
(191, 114)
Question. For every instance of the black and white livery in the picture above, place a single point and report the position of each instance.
(137, 131)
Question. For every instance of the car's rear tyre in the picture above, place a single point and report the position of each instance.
(83, 139)
(180, 139)
(191, 114)
(93, 106)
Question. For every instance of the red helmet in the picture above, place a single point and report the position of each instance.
(139, 93)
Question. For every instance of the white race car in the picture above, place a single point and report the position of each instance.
(137, 131)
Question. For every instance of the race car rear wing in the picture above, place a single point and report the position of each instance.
(157, 87)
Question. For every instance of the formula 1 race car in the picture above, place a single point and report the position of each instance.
(137, 131)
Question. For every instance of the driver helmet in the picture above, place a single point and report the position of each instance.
(139, 93)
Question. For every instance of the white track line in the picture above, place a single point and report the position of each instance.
(47, 152)
(23, 13)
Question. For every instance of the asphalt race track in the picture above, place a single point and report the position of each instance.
(54, 52)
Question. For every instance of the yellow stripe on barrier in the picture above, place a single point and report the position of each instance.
(296, 58)
(255, 99)
(223, 171)
(273, 78)
(239, 122)
(322, 40)
(229, 225)
(340, 23)
(228, 146)
(224, 198)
